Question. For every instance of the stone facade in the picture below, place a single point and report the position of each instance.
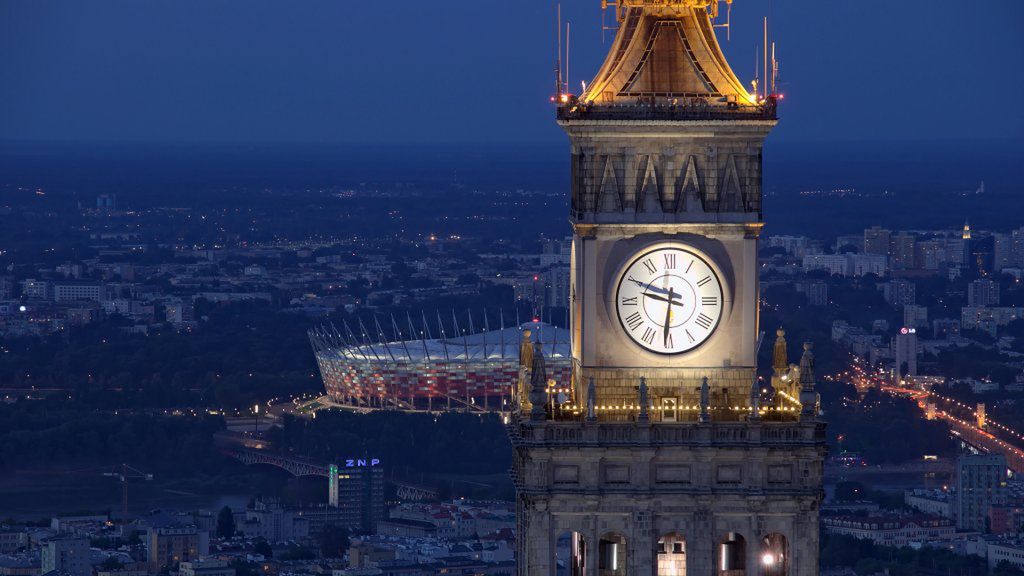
(661, 462)
(638, 483)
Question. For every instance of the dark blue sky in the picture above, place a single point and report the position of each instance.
(415, 71)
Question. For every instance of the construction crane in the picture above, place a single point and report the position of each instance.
(124, 474)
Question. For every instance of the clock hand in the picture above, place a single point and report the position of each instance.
(648, 286)
(673, 300)
(668, 317)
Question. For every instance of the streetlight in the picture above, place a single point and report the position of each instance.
(256, 408)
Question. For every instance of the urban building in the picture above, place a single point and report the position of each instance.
(905, 352)
(983, 292)
(66, 555)
(895, 531)
(816, 292)
(945, 328)
(915, 316)
(206, 567)
(167, 546)
(899, 293)
(355, 489)
(989, 317)
(12, 540)
(662, 457)
(903, 251)
(931, 502)
(1010, 552)
(849, 265)
(269, 520)
(834, 264)
(981, 484)
(877, 240)
(1007, 519)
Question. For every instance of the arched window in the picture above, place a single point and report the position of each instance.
(571, 554)
(774, 556)
(611, 555)
(671, 555)
(732, 555)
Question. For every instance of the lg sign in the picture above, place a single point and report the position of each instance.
(908, 330)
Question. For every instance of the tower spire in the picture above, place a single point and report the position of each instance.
(666, 50)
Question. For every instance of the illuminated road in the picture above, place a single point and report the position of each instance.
(968, 431)
(994, 437)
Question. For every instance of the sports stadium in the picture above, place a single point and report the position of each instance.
(475, 371)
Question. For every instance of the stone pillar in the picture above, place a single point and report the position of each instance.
(753, 543)
(700, 546)
(538, 543)
(640, 545)
(593, 538)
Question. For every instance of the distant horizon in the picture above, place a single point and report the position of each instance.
(316, 71)
(456, 143)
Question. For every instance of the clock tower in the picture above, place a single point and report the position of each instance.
(666, 456)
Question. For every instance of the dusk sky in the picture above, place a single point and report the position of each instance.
(406, 71)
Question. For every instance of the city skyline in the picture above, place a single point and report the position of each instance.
(318, 288)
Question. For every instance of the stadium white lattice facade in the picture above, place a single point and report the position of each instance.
(477, 371)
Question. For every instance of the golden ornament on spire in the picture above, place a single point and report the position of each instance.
(666, 51)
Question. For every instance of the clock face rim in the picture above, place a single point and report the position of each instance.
(639, 255)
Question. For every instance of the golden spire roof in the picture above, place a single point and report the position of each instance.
(666, 49)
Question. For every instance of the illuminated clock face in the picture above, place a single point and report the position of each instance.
(669, 300)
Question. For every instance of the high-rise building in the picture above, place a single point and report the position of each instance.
(557, 287)
(929, 254)
(356, 488)
(905, 352)
(816, 292)
(966, 247)
(983, 292)
(981, 483)
(66, 555)
(1002, 252)
(877, 240)
(903, 251)
(1017, 248)
(915, 316)
(662, 457)
(899, 292)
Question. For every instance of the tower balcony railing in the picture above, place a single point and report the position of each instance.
(554, 433)
(668, 109)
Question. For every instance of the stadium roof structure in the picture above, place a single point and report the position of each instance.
(488, 345)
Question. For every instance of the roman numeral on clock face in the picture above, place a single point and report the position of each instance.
(704, 321)
(630, 301)
(709, 300)
(703, 281)
(649, 264)
(670, 261)
(634, 320)
(649, 334)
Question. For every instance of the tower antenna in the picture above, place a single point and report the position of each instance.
(765, 88)
(558, 55)
(757, 69)
(775, 70)
(567, 57)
